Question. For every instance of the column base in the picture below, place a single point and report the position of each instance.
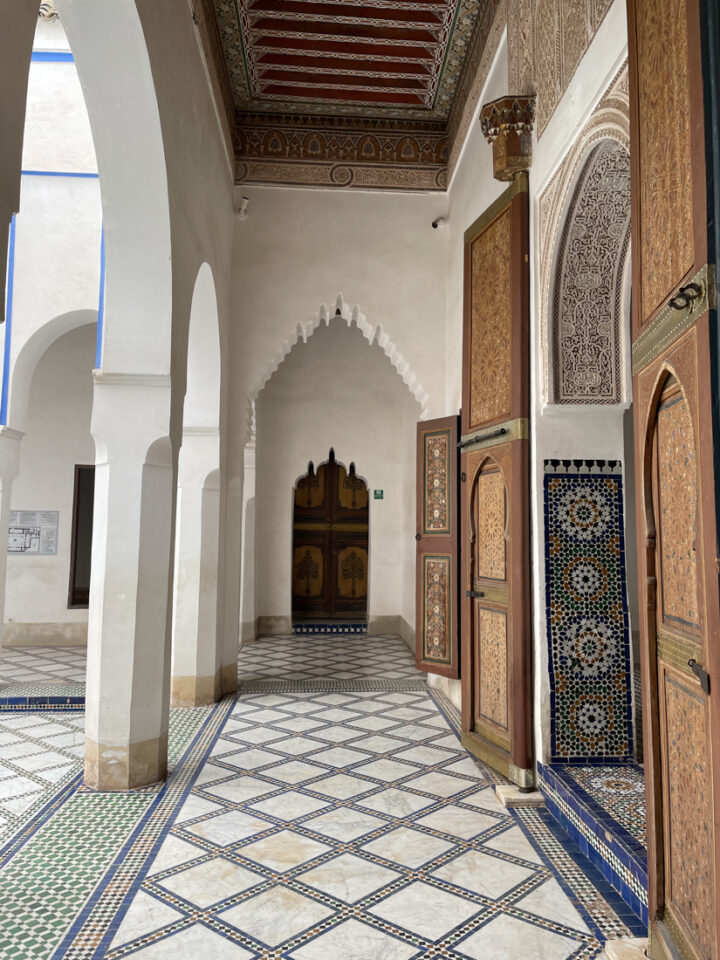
(229, 678)
(125, 768)
(194, 691)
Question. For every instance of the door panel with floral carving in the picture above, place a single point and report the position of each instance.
(437, 614)
(330, 543)
(675, 363)
(495, 524)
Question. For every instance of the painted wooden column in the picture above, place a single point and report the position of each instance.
(128, 673)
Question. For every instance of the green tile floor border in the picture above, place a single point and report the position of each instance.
(45, 884)
(99, 918)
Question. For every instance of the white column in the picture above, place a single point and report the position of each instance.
(196, 646)
(9, 466)
(128, 672)
(247, 579)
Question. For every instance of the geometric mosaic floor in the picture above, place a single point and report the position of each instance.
(322, 822)
(39, 664)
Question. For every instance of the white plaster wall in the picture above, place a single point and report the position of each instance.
(559, 430)
(299, 249)
(57, 438)
(337, 390)
(58, 228)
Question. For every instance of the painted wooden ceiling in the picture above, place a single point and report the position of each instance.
(341, 93)
(398, 59)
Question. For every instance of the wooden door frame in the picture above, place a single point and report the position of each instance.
(516, 762)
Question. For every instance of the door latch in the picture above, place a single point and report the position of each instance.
(474, 594)
(702, 674)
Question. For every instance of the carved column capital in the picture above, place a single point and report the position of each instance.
(507, 124)
(47, 10)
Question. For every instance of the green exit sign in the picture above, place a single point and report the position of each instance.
(378, 494)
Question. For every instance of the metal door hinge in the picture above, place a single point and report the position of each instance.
(701, 673)
(474, 594)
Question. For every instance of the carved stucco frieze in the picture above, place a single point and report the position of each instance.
(587, 300)
(609, 121)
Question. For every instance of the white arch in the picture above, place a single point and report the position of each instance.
(202, 396)
(373, 334)
(112, 60)
(30, 355)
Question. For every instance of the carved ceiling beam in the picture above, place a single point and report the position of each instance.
(507, 124)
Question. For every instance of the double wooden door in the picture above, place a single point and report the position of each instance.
(330, 543)
(675, 357)
(495, 528)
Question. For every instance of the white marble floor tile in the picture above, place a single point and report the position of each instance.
(337, 734)
(409, 847)
(295, 771)
(210, 882)
(348, 878)
(396, 803)
(289, 805)
(353, 940)
(482, 874)
(296, 746)
(145, 915)
(550, 901)
(227, 828)
(241, 789)
(340, 757)
(210, 773)
(427, 755)
(343, 786)
(344, 824)
(373, 723)
(276, 915)
(514, 842)
(380, 744)
(486, 799)
(283, 850)
(439, 784)
(194, 942)
(507, 937)
(196, 807)
(301, 724)
(425, 910)
(336, 715)
(251, 759)
(458, 822)
(172, 853)
(387, 770)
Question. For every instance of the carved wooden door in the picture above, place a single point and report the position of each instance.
(495, 537)
(330, 543)
(674, 366)
(437, 613)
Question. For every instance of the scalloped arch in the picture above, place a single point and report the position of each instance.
(372, 333)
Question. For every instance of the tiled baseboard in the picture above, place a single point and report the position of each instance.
(605, 842)
(327, 627)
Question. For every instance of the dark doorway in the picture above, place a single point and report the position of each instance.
(81, 546)
(330, 543)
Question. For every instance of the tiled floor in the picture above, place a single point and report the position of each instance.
(42, 664)
(320, 820)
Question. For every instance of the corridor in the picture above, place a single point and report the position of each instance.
(313, 816)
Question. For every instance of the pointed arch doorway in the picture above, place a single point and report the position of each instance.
(330, 543)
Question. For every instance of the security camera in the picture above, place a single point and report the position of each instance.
(439, 222)
(242, 208)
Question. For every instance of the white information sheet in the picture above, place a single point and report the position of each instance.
(33, 531)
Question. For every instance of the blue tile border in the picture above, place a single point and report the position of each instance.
(607, 844)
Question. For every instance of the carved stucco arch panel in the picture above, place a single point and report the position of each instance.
(372, 333)
(608, 122)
